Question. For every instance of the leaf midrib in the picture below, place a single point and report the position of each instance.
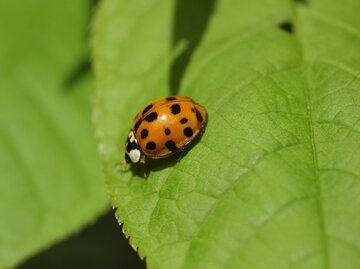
(318, 197)
(310, 122)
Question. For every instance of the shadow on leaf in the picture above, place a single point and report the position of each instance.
(154, 165)
(191, 19)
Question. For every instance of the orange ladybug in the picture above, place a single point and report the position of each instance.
(162, 128)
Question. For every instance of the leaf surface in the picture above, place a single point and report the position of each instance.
(274, 181)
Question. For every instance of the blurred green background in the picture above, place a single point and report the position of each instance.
(51, 186)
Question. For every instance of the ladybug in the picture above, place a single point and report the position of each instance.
(164, 127)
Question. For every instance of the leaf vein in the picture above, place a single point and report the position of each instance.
(320, 207)
(212, 210)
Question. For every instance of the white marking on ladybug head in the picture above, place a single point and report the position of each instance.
(134, 155)
(132, 136)
(132, 149)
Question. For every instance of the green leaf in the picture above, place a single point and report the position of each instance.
(50, 178)
(274, 181)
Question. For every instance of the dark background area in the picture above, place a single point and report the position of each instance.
(101, 245)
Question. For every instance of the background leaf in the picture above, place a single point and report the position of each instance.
(274, 181)
(51, 182)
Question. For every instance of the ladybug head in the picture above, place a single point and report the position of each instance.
(132, 149)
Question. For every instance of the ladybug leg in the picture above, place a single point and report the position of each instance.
(145, 166)
(143, 159)
(122, 166)
(178, 155)
(146, 171)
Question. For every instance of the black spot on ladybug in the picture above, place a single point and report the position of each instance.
(151, 117)
(167, 131)
(144, 133)
(192, 110)
(151, 145)
(188, 132)
(175, 109)
(198, 115)
(170, 98)
(146, 109)
(137, 124)
(171, 145)
(183, 120)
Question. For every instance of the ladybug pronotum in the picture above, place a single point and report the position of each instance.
(164, 127)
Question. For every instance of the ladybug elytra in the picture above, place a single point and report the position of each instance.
(162, 128)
